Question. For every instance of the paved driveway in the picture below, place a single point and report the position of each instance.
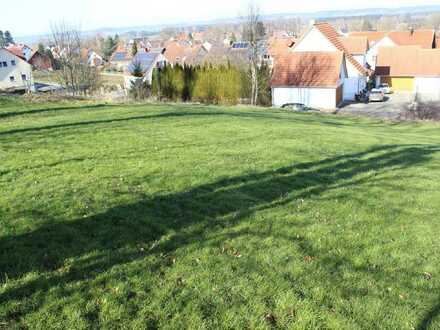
(392, 108)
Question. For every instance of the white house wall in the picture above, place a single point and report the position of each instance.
(361, 59)
(21, 67)
(374, 50)
(314, 41)
(321, 98)
(427, 88)
(352, 71)
(352, 86)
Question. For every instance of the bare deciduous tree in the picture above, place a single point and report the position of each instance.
(253, 33)
(74, 72)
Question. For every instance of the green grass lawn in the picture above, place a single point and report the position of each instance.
(180, 216)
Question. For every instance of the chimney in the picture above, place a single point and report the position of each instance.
(411, 30)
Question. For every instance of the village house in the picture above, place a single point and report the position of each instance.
(313, 78)
(148, 61)
(357, 47)
(377, 39)
(121, 58)
(322, 38)
(21, 50)
(15, 72)
(41, 61)
(93, 58)
(182, 53)
(410, 69)
(279, 46)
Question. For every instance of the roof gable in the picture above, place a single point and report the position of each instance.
(18, 58)
(333, 38)
(331, 34)
(355, 45)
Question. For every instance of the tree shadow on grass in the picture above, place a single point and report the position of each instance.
(427, 320)
(53, 109)
(288, 117)
(114, 237)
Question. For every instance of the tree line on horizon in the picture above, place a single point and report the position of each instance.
(6, 39)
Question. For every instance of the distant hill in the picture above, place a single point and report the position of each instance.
(32, 39)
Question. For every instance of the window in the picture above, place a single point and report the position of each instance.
(11, 78)
(1, 64)
(23, 77)
(5, 64)
(13, 62)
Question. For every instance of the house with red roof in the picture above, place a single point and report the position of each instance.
(322, 39)
(21, 50)
(410, 69)
(41, 61)
(424, 38)
(313, 78)
(15, 72)
(356, 47)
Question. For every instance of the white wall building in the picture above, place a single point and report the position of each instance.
(315, 79)
(15, 73)
(374, 50)
(323, 37)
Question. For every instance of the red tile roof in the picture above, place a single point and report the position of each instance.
(423, 38)
(330, 33)
(17, 51)
(174, 52)
(279, 46)
(308, 69)
(408, 61)
(355, 45)
(372, 36)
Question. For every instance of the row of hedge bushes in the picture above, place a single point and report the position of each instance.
(224, 84)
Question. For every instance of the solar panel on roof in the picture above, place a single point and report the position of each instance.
(119, 56)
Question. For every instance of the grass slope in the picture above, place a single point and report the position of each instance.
(208, 218)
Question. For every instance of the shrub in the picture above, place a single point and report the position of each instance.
(422, 111)
(208, 84)
(139, 90)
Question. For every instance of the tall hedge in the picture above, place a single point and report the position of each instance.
(224, 84)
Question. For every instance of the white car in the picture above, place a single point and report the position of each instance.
(376, 95)
(386, 89)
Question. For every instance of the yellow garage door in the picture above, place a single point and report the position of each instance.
(400, 84)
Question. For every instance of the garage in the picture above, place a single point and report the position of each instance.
(315, 79)
(400, 84)
(318, 98)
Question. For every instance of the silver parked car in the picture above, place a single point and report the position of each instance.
(386, 89)
(376, 95)
(295, 107)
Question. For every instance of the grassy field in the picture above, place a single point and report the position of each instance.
(179, 216)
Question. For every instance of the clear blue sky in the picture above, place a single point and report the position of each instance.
(30, 17)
